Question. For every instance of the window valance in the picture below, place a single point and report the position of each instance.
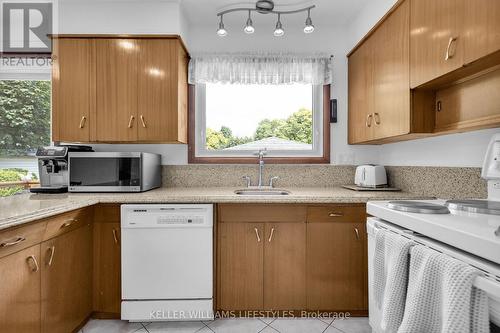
(260, 69)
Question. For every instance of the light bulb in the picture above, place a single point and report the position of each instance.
(278, 32)
(309, 23)
(221, 31)
(249, 29)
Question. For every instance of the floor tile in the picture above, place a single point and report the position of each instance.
(240, 325)
(204, 329)
(298, 325)
(112, 326)
(332, 329)
(353, 325)
(269, 329)
(175, 326)
(267, 320)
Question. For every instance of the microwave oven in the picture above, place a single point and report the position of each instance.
(113, 172)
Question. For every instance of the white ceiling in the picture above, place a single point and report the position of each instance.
(327, 12)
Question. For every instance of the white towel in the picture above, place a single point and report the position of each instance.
(441, 298)
(390, 278)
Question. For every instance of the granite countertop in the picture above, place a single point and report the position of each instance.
(24, 208)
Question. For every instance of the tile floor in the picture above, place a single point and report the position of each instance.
(240, 325)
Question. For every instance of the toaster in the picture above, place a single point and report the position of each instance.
(370, 176)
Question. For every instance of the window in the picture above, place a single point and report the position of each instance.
(24, 126)
(233, 121)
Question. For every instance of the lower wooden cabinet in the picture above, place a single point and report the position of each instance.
(317, 261)
(20, 291)
(107, 265)
(66, 280)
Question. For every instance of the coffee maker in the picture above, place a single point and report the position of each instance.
(53, 167)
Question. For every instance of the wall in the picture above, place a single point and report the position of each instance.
(457, 150)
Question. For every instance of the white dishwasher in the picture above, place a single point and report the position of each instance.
(167, 258)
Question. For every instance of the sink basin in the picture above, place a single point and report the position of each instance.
(261, 192)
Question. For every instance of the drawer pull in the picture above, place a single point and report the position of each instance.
(448, 55)
(67, 223)
(35, 263)
(82, 122)
(51, 256)
(18, 240)
(377, 118)
(335, 214)
(257, 234)
(271, 236)
(130, 122)
(356, 231)
(115, 236)
(368, 121)
(143, 121)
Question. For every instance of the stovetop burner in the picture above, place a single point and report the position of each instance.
(418, 207)
(475, 206)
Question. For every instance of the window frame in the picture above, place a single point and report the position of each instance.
(194, 118)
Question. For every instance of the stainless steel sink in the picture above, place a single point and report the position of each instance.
(261, 192)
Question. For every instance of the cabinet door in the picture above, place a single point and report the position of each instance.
(20, 291)
(158, 90)
(436, 40)
(72, 90)
(107, 274)
(241, 266)
(482, 28)
(361, 94)
(336, 266)
(116, 84)
(285, 266)
(66, 280)
(391, 77)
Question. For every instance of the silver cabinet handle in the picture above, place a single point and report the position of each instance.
(83, 121)
(448, 55)
(67, 223)
(377, 116)
(369, 120)
(16, 241)
(51, 256)
(143, 121)
(35, 263)
(257, 234)
(335, 214)
(115, 236)
(131, 121)
(356, 231)
(271, 235)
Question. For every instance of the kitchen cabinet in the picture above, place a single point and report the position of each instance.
(336, 259)
(73, 90)
(437, 40)
(285, 266)
(66, 280)
(120, 89)
(481, 28)
(117, 94)
(107, 265)
(241, 266)
(20, 291)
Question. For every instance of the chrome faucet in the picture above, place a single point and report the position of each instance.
(260, 185)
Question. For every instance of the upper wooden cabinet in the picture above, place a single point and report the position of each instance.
(437, 41)
(114, 89)
(72, 89)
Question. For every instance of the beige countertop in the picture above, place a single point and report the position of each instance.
(24, 208)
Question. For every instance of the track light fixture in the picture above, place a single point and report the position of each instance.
(266, 7)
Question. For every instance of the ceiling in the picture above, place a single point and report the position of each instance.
(327, 12)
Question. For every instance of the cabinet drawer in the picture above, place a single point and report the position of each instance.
(13, 240)
(336, 213)
(66, 222)
(107, 213)
(262, 213)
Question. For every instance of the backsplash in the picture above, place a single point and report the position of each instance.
(441, 182)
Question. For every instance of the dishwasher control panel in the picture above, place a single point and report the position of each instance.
(176, 219)
(167, 216)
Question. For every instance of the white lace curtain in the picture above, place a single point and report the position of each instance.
(260, 69)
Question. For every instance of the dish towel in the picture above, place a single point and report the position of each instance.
(441, 298)
(390, 278)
